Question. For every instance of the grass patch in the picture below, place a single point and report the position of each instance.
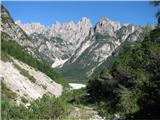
(6, 93)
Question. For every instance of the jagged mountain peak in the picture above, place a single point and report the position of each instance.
(29, 28)
(106, 20)
(105, 25)
(103, 18)
(86, 21)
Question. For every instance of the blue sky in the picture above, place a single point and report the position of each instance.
(47, 13)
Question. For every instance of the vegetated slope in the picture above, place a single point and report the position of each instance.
(131, 87)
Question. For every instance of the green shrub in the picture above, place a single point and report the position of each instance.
(24, 100)
(44, 108)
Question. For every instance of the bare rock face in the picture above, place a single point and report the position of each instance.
(106, 26)
(126, 31)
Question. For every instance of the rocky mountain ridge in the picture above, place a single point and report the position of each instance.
(59, 41)
(98, 46)
(72, 48)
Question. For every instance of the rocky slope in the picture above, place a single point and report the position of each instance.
(27, 82)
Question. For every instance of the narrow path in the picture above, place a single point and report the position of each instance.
(83, 112)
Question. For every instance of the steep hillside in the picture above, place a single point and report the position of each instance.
(131, 87)
(20, 72)
(12, 48)
(27, 82)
